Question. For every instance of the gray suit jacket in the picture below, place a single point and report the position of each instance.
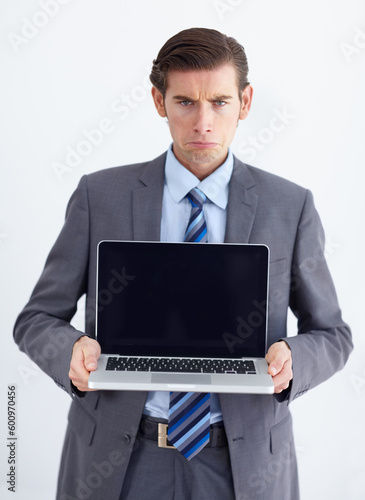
(125, 203)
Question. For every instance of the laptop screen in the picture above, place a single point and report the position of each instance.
(182, 299)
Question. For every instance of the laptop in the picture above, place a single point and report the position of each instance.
(189, 317)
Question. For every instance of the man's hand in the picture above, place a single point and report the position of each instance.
(279, 360)
(85, 355)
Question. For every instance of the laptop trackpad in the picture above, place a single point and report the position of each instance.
(180, 378)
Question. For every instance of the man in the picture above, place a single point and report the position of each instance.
(200, 84)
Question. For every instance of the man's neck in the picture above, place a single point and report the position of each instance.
(200, 170)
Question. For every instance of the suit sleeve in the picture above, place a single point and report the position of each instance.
(323, 343)
(43, 329)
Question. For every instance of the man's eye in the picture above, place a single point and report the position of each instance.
(220, 103)
(185, 103)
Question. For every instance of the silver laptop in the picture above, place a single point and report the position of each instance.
(182, 317)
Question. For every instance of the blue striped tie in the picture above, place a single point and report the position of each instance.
(189, 413)
(197, 228)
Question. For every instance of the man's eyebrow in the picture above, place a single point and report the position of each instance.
(215, 98)
(222, 98)
(183, 98)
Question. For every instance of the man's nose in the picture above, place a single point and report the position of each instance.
(203, 120)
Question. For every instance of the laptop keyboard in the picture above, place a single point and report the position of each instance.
(179, 365)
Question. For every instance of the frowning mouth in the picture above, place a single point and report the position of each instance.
(202, 145)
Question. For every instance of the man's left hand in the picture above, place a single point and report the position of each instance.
(279, 360)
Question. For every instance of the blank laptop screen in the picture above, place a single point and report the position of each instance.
(182, 299)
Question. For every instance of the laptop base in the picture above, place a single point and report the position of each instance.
(259, 383)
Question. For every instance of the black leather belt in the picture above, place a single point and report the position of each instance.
(156, 430)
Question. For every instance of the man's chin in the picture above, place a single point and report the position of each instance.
(203, 157)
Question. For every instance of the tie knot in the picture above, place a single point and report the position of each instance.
(196, 197)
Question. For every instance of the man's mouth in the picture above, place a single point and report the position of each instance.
(202, 144)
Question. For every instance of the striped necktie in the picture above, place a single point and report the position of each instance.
(189, 413)
(197, 228)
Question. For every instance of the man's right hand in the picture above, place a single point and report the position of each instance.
(85, 355)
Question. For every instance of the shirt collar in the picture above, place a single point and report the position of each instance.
(180, 180)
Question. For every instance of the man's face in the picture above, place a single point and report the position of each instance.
(203, 108)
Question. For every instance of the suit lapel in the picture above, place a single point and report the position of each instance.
(147, 201)
(242, 205)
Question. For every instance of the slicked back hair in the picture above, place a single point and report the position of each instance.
(196, 49)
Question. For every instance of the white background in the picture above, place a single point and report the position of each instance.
(306, 59)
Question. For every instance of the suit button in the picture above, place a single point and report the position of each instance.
(126, 439)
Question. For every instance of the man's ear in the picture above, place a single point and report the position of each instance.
(159, 102)
(246, 95)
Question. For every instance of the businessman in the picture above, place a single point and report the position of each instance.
(200, 85)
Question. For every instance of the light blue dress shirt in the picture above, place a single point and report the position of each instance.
(176, 210)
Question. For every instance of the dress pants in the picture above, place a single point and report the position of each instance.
(164, 474)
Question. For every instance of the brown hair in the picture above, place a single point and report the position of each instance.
(198, 48)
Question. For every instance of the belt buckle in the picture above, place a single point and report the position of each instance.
(162, 437)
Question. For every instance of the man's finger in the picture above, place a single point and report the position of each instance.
(85, 354)
(276, 366)
(283, 378)
(278, 354)
(88, 350)
(91, 356)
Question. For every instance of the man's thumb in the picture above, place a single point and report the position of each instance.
(91, 360)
